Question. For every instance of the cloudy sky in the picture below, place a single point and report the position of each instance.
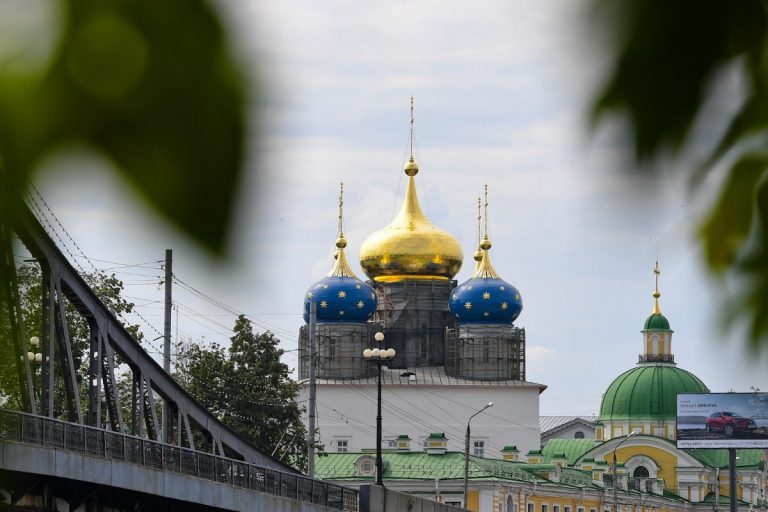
(502, 89)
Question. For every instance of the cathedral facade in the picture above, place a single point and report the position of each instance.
(457, 347)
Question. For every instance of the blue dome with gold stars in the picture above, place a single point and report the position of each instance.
(341, 298)
(485, 298)
(340, 295)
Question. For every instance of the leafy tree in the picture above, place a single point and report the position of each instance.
(109, 290)
(249, 389)
(668, 55)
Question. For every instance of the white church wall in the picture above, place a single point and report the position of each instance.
(348, 412)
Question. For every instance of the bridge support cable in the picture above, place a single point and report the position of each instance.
(111, 349)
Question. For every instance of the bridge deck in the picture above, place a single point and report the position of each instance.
(36, 445)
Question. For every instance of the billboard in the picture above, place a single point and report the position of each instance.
(722, 420)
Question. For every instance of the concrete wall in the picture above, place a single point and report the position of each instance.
(374, 498)
(47, 461)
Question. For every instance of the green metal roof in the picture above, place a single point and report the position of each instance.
(656, 322)
(448, 466)
(572, 448)
(718, 458)
(648, 392)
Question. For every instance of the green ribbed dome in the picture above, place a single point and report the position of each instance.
(657, 322)
(648, 393)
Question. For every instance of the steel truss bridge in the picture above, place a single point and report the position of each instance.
(41, 453)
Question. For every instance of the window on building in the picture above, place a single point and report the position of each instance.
(555, 508)
(531, 508)
(580, 509)
(510, 505)
(578, 435)
(544, 508)
(478, 448)
(567, 509)
(641, 472)
(390, 442)
(331, 349)
(342, 445)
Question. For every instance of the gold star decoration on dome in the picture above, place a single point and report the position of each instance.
(469, 287)
(517, 296)
(486, 314)
(341, 313)
(468, 305)
(502, 288)
(504, 305)
(373, 296)
(486, 295)
(357, 286)
(323, 303)
(454, 296)
(342, 294)
(309, 295)
(325, 286)
(360, 304)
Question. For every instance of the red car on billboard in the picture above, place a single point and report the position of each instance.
(729, 423)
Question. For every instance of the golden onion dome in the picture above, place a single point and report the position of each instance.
(410, 247)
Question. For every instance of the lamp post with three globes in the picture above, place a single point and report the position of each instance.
(378, 355)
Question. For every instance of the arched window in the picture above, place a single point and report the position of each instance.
(641, 472)
(510, 505)
(578, 435)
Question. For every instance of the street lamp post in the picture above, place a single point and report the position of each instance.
(378, 355)
(615, 483)
(466, 452)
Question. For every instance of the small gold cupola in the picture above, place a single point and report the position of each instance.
(657, 335)
(341, 266)
(485, 267)
(410, 247)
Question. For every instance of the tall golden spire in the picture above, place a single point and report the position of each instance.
(485, 268)
(410, 247)
(656, 294)
(411, 168)
(478, 256)
(341, 267)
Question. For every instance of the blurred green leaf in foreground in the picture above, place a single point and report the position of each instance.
(668, 53)
(152, 86)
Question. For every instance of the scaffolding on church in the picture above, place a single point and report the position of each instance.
(486, 352)
(414, 315)
(339, 350)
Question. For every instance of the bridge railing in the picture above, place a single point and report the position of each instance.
(37, 430)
